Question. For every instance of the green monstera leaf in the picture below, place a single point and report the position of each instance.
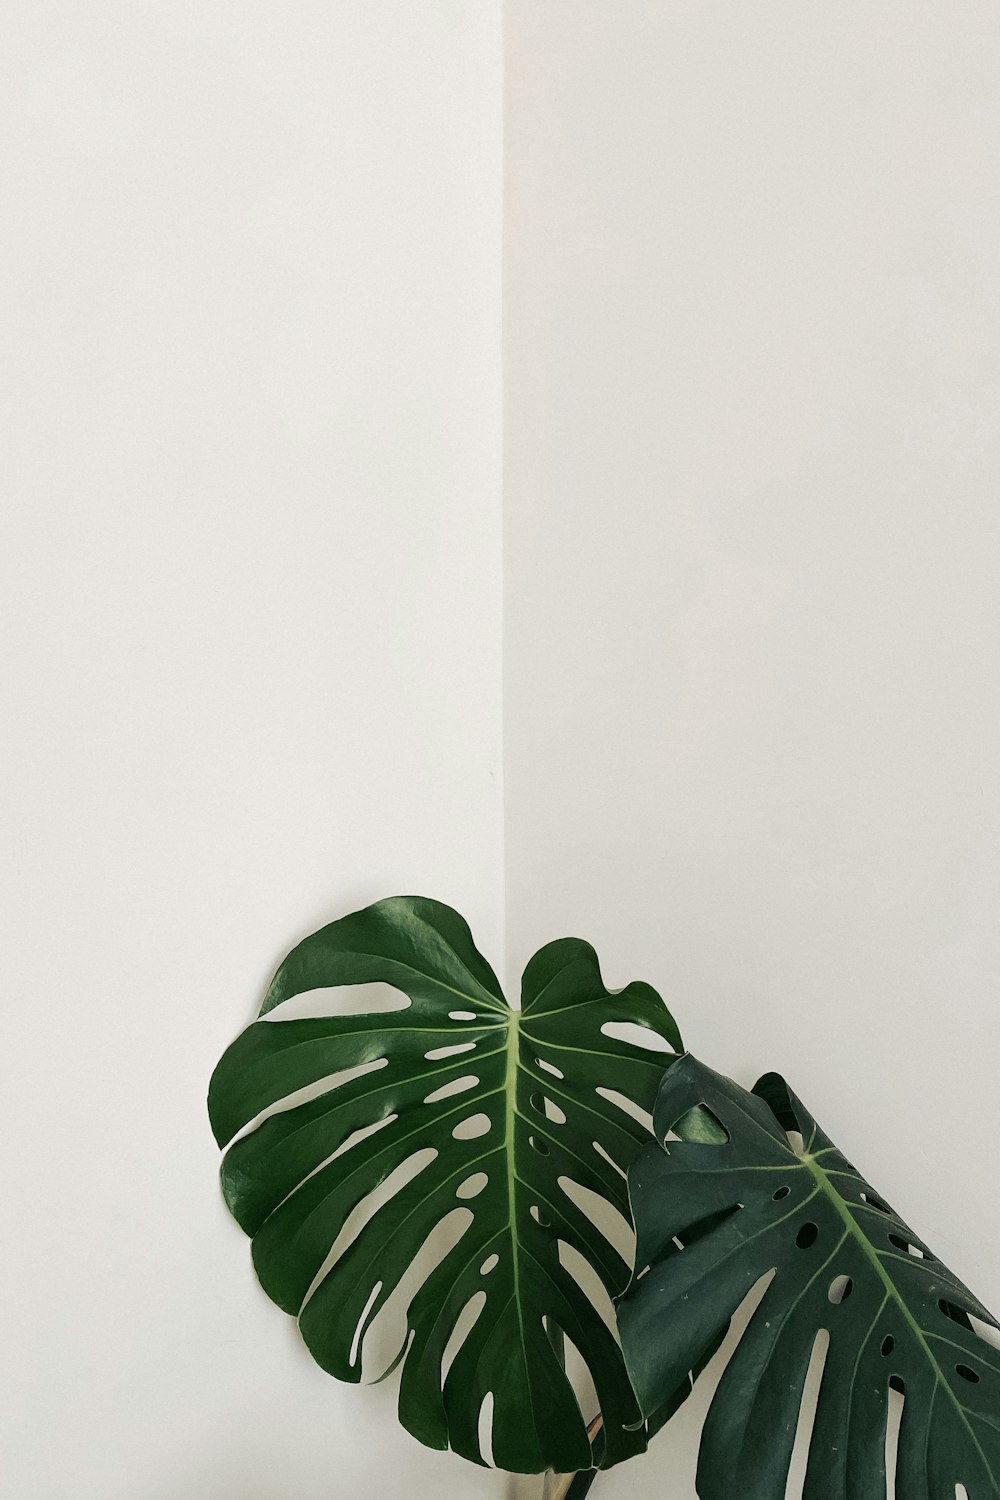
(728, 1199)
(479, 1107)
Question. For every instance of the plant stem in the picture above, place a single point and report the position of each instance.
(573, 1486)
(569, 1486)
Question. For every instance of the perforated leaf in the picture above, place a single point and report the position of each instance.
(734, 1200)
(500, 1111)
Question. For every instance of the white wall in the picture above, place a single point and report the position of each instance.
(752, 366)
(249, 287)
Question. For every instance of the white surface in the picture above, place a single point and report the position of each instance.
(752, 366)
(249, 287)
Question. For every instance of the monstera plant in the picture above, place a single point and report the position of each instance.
(499, 1111)
(742, 1186)
(474, 1156)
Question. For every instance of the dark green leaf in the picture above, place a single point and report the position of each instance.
(712, 1218)
(294, 1181)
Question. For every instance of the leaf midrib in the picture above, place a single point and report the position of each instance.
(510, 1141)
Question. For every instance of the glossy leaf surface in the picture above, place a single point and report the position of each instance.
(489, 1110)
(730, 1203)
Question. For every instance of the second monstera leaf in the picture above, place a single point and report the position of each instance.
(746, 1185)
(501, 1111)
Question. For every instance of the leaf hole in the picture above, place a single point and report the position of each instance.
(362, 1324)
(796, 1142)
(955, 1313)
(437, 1053)
(537, 1144)
(887, 1346)
(869, 1197)
(457, 1086)
(893, 1424)
(636, 1034)
(484, 1430)
(463, 1327)
(699, 1126)
(461, 1015)
(371, 999)
(544, 1106)
(540, 1216)
(780, 1193)
(905, 1245)
(489, 1264)
(808, 1402)
(628, 1106)
(550, 1068)
(988, 1332)
(604, 1218)
(591, 1285)
(472, 1186)
(807, 1235)
(967, 1374)
(578, 1372)
(841, 1288)
(354, 1139)
(309, 1092)
(609, 1159)
(472, 1128)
